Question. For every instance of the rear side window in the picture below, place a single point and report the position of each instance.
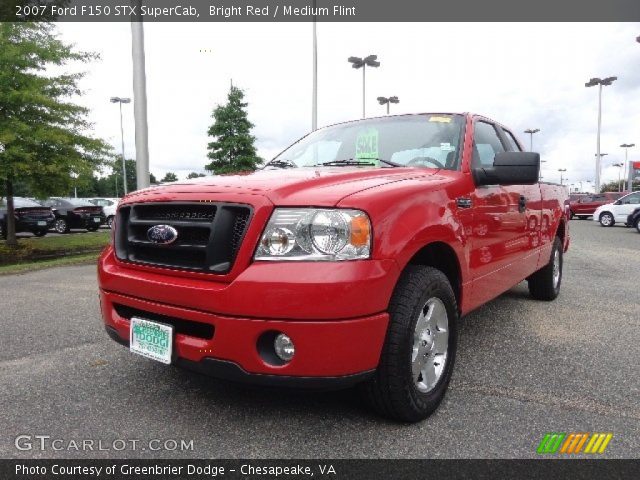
(511, 140)
(486, 144)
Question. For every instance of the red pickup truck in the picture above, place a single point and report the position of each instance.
(349, 259)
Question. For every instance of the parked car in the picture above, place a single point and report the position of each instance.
(75, 213)
(633, 220)
(109, 206)
(30, 217)
(586, 205)
(617, 212)
(349, 259)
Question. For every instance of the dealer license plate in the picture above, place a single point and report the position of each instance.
(151, 339)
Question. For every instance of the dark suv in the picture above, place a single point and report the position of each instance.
(633, 220)
(30, 217)
(75, 213)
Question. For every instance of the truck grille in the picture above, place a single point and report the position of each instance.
(209, 234)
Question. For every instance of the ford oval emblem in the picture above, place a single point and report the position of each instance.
(162, 234)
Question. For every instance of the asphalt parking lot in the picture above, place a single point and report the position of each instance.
(524, 368)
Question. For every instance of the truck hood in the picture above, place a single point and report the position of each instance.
(299, 186)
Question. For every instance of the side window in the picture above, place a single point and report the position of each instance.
(513, 144)
(599, 198)
(486, 144)
(632, 199)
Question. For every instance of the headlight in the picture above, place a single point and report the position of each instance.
(315, 234)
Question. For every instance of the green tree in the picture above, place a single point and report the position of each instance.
(614, 186)
(170, 177)
(195, 175)
(232, 149)
(42, 132)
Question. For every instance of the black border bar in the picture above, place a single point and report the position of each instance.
(565, 469)
(326, 10)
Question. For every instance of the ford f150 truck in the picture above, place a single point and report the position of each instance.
(349, 259)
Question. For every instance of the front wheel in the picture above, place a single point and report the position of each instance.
(606, 219)
(420, 347)
(545, 283)
(637, 225)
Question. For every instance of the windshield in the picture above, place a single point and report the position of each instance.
(431, 140)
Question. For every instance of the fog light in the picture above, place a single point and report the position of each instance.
(284, 347)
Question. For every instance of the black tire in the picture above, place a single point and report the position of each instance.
(61, 226)
(606, 219)
(571, 215)
(110, 221)
(637, 225)
(392, 392)
(40, 233)
(542, 285)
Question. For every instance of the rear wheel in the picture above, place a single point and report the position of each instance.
(61, 226)
(419, 350)
(606, 219)
(545, 283)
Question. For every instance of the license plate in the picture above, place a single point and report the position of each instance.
(97, 220)
(151, 339)
(41, 223)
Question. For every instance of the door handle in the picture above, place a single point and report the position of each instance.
(522, 204)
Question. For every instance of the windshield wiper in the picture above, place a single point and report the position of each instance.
(280, 164)
(355, 161)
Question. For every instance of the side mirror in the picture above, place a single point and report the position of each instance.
(618, 202)
(510, 168)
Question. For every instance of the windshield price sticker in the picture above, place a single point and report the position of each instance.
(367, 145)
(440, 119)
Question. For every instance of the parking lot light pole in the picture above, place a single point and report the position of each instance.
(387, 100)
(357, 62)
(120, 101)
(596, 184)
(592, 83)
(619, 165)
(562, 170)
(531, 131)
(626, 147)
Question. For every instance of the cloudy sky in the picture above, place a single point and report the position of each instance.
(523, 75)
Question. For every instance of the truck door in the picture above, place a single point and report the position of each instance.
(506, 222)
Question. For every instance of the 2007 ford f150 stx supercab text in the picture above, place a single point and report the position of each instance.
(349, 259)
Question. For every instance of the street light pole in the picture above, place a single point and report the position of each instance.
(387, 101)
(120, 101)
(357, 62)
(140, 101)
(314, 100)
(601, 82)
(626, 147)
(596, 184)
(619, 165)
(531, 131)
(562, 170)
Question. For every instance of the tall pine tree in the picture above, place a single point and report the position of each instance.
(232, 149)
